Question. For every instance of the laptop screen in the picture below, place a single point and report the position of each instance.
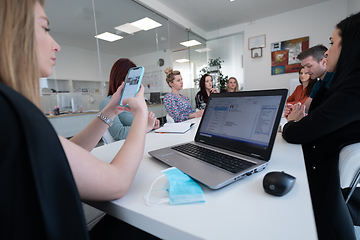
(245, 121)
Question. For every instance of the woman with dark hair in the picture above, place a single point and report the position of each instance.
(333, 122)
(206, 88)
(118, 74)
(122, 122)
(302, 92)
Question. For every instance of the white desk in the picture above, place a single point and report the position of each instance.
(241, 210)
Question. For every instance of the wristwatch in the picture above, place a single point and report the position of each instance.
(105, 119)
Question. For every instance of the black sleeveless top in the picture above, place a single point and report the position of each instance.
(39, 198)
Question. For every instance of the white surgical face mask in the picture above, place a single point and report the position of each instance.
(182, 189)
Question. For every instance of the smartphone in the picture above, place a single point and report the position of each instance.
(132, 83)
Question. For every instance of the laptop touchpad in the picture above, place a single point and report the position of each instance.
(174, 158)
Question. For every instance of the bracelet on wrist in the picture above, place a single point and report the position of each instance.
(105, 119)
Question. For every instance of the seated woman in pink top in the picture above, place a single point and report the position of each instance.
(302, 92)
(177, 105)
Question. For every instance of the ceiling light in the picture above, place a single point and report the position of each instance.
(108, 36)
(232, 0)
(128, 28)
(190, 43)
(203, 50)
(183, 60)
(146, 24)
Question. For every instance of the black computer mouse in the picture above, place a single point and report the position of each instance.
(278, 183)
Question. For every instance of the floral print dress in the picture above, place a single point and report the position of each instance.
(178, 107)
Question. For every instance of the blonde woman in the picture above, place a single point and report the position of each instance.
(232, 85)
(178, 106)
(43, 175)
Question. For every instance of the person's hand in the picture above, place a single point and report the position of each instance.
(136, 103)
(287, 110)
(214, 90)
(151, 122)
(297, 113)
(198, 114)
(113, 109)
(157, 124)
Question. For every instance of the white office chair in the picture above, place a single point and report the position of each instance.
(349, 167)
(169, 119)
(107, 138)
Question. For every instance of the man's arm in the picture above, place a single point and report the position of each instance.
(307, 104)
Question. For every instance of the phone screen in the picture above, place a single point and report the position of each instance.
(132, 83)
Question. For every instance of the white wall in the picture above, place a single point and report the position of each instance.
(230, 50)
(81, 64)
(317, 22)
(353, 6)
(150, 62)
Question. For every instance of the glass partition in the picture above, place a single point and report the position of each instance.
(72, 26)
(220, 56)
(144, 43)
(230, 51)
(84, 62)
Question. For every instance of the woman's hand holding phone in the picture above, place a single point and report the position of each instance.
(132, 83)
(136, 103)
(112, 109)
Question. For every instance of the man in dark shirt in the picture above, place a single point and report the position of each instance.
(314, 63)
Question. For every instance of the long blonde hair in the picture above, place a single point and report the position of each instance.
(19, 68)
(170, 73)
(237, 84)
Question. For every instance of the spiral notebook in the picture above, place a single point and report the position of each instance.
(181, 127)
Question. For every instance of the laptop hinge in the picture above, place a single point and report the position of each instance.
(256, 155)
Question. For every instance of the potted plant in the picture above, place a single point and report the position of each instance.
(214, 69)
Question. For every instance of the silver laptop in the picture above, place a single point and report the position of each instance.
(235, 138)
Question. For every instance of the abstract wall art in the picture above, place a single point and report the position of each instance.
(284, 55)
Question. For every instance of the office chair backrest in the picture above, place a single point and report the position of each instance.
(349, 167)
(107, 138)
(169, 119)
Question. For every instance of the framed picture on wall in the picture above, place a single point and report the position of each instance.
(257, 42)
(284, 55)
(256, 52)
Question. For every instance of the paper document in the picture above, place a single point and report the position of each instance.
(181, 127)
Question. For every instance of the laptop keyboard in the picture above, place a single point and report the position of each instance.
(226, 162)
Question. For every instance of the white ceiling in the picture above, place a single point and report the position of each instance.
(209, 15)
(72, 21)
